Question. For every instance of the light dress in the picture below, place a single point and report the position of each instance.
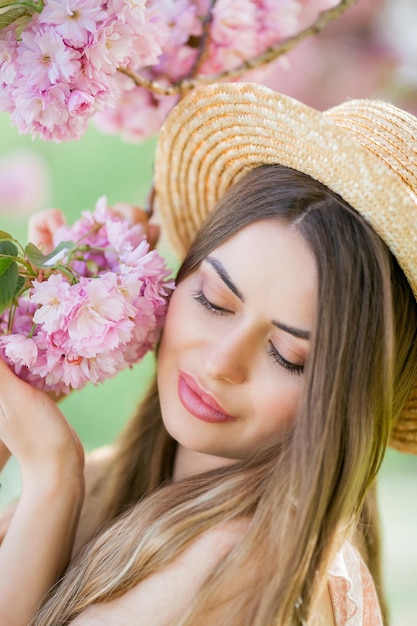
(352, 591)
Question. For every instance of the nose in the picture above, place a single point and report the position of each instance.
(228, 358)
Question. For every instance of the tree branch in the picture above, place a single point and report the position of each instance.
(204, 42)
(271, 54)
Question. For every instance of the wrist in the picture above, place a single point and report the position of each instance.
(53, 480)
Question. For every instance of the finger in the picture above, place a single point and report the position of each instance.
(153, 232)
(25, 412)
(130, 212)
(21, 407)
(43, 225)
(14, 395)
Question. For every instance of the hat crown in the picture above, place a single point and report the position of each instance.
(363, 150)
(386, 131)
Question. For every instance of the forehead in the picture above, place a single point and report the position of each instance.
(273, 266)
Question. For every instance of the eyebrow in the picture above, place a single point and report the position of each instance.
(296, 332)
(225, 277)
(222, 273)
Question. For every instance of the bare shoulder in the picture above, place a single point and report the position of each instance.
(323, 614)
(218, 540)
(153, 601)
(159, 598)
(95, 462)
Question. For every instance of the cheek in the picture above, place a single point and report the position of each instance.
(278, 404)
(177, 318)
(178, 327)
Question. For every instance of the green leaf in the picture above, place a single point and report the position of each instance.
(31, 5)
(21, 282)
(8, 248)
(5, 236)
(7, 3)
(21, 23)
(9, 275)
(19, 13)
(38, 259)
(10, 6)
(11, 14)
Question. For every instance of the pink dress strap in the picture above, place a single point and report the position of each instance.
(352, 591)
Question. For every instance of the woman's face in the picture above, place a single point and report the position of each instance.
(230, 366)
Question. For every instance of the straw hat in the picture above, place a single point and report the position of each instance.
(364, 150)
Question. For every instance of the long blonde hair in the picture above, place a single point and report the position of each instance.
(303, 495)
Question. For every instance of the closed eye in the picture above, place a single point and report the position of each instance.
(210, 306)
(293, 368)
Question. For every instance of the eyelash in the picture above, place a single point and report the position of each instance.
(278, 358)
(272, 351)
(201, 298)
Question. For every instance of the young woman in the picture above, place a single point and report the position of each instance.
(242, 491)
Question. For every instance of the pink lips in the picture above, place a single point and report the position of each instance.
(199, 403)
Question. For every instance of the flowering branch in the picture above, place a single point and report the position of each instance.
(63, 62)
(204, 40)
(85, 311)
(266, 57)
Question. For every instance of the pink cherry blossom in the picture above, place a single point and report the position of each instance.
(137, 113)
(102, 318)
(37, 109)
(21, 350)
(75, 20)
(55, 300)
(80, 103)
(44, 59)
(8, 73)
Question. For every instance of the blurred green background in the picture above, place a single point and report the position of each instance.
(98, 165)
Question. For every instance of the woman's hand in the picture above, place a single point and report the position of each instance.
(135, 215)
(34, 430)
(42, 227)
(39, 540)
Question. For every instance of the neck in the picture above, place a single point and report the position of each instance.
(189, 463)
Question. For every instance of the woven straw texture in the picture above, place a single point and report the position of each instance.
(366, 151)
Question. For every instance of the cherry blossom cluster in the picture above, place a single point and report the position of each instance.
(237, 31)
(61, 68)
(96, 306)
